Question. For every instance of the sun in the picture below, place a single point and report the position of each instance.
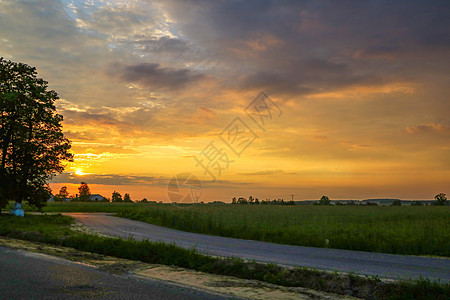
(79, 172)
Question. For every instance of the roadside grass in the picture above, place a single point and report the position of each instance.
(397, 230)
(56, 230)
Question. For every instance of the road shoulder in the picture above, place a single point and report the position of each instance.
(225, 285)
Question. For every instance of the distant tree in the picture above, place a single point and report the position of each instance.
(256, 201)
(250, 199)
(338, 203)
(63, 194)
(324, 200)
(116, 197)
(234, 201)
(416, 203)
(396, 203)
(242, 200)
(440, 199)
(127, 198)
(84, 192)
(144, 200)
(32, 144)
(351, 202)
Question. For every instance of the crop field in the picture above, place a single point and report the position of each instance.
(398, 230)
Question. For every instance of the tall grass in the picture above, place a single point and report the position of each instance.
(55, 230)
(398, 230)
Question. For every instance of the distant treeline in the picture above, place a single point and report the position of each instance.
(251, 200)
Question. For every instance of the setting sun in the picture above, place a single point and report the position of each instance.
(79, 172)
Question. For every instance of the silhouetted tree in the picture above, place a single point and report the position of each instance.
(84, 192)
(242, 200)
(126, 198)
(396, 203)
(440, 199)
(116, 197)
(32, 145)
(324, 200)
(63, 194)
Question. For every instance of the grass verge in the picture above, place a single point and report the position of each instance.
(56, 230)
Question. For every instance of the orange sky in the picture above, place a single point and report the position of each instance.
(361, 93)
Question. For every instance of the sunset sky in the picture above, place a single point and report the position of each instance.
(361, 92)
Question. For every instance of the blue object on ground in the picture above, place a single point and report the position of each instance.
(17, 211)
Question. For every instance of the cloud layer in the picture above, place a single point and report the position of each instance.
(145, 86)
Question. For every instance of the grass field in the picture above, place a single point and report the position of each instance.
(398, 230)
(56, 230)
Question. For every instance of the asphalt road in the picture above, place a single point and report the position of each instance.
(368, 263)
(25, 275)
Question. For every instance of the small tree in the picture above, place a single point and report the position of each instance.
(116, 197)
(84, 191)
(324, 200)
(242, 200)
(63, 194)
(440, 199)
(127, 198)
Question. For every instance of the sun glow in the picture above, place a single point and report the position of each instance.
(79, 172)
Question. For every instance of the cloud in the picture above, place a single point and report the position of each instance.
(111, 179)
(381, 52)
(267, 172)
(153, 76)
(428, 128)
(163, 45)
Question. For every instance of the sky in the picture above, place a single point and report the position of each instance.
(348, 99)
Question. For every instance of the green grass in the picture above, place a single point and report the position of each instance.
(398, 230)
(55, 230)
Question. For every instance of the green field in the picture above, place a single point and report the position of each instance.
(56, 230)
(398, 230)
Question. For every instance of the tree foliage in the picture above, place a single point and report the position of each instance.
(32, 145)
(84, 192)
(324, 200)
(116, 197)
(127, 198)
(440, 199)
(63, 194)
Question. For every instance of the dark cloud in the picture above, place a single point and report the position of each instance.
(163, 45)
(428, 128)
(110, 179)
(154, 76)
(72, 117)
(335, 42)
(380, 52)
(306, 77)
